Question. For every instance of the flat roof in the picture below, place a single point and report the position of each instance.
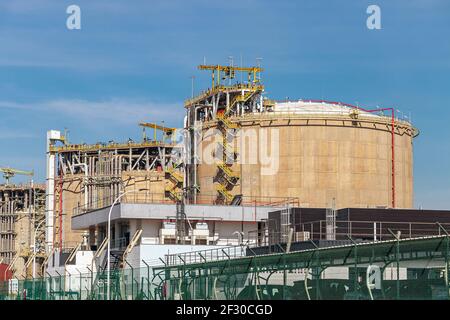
(168, 211)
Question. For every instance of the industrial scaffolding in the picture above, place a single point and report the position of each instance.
(89, 177)
(220, 104)
(21, 215)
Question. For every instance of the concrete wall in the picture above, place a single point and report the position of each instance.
(24, 231)
(153, 181)
(228, 231)
(150, 230)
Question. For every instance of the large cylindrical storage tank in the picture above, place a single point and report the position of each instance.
(322, 153)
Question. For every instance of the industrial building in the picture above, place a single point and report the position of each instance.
(87, 177)
(245, 176)
(318, 154)
(359, 223)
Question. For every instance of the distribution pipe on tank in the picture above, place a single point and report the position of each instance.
(392, 110)
(392, 147)
(392, 133)
(338, 103)
(60, 209)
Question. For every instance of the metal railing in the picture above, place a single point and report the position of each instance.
(205, 255)
(371, 230)
(120, 243)
(205, 199)
(128, 198)
(237, 86)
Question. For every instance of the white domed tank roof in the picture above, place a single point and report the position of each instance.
(318, 108)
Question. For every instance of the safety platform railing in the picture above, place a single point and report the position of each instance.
(369, 230)
(206, 199)
(205, 255)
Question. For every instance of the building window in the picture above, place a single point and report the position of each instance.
(201, 241)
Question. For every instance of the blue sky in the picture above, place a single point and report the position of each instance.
(132, 61)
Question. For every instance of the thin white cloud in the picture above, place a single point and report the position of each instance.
(433, 198)
(24, 47)
(14, 134)
(117, 111)
(26, 6)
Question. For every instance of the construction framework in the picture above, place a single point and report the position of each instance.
(21, 215)
(90, 177)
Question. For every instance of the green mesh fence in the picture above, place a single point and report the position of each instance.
(125, 284)
(388, 270)
(271, 287)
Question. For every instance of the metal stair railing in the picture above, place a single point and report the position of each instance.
(229, 153)
(98, 253)
(175, 175)
(173, 194)
(132, 244)
(228, 124)
(239, 98)
(223, 191)
(227, 171)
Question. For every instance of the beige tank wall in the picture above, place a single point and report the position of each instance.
(23, 244)
(319, 162)
(72, 198)
(153, 182)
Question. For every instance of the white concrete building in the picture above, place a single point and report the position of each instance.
(207, 226)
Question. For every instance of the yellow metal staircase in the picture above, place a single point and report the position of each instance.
(226, 121)
(222, 190)
(176, 177)
(173, 191)
(228, 174)
(228, 152)
(239, 98)
(225, 176)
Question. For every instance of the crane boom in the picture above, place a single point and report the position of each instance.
(166, 131)
(8, 173)
(158, 127)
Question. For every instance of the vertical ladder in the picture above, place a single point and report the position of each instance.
(181, 222)
(285, 223)
(330, 221)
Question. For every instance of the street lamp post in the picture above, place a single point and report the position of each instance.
(109, 240)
